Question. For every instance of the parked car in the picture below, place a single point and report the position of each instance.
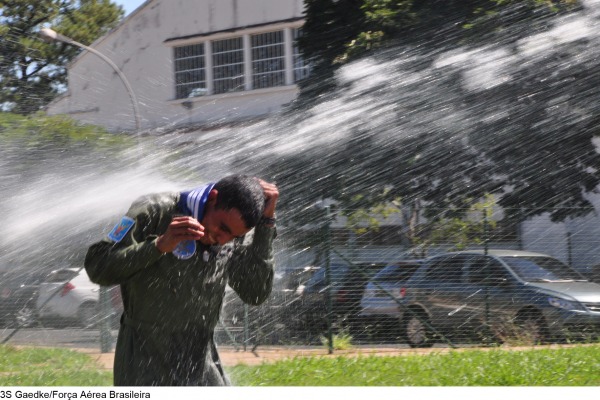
(380, 311)
(501, 293)
(273, 320)
(18, 295)
(347, 286)
(68, 296)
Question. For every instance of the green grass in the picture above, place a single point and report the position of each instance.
(577, 366)
(49, 367)
(341, 341)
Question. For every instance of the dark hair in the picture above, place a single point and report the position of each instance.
(243, 193)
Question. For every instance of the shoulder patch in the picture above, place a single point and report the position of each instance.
(120, 230)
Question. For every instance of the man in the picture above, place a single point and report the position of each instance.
(173, 254)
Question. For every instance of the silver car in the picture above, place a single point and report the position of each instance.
(380, 306)
(69, 296)
(496, 295)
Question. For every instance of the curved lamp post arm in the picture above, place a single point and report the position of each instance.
(50, 35)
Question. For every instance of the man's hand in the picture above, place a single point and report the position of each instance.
(180, 229)
(271, 196)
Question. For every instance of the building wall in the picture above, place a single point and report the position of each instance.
(141, 47)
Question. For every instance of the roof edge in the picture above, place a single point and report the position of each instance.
(237, 28)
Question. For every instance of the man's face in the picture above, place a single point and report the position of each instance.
(222, 226)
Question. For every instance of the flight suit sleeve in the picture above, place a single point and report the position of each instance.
(251, 267)
(108, 262)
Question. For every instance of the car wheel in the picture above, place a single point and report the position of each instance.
(416, 331)
(88, 315)
(25, 317)
(532, 328)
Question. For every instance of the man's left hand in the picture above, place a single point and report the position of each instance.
(271, 197)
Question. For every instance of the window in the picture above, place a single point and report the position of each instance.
(190, 71)
(448, 269)
(228, 65)
(301, 67)
(541, 269)
(397, 273)
(249, 61)
(317, 281)
(268, 60)
(61, 275)
(486, 271)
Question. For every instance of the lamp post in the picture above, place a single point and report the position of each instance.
(50, 35)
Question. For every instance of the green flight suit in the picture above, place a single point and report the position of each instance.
(171, 306)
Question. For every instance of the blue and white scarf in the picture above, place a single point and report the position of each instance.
(192, 203)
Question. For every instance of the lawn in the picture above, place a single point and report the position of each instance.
(49, 367)
(574, 366)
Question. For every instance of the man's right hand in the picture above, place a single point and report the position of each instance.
(180, 229)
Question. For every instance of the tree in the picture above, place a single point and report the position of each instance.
(329, 25)
(33, 72)
(527, 138)
(339, 31)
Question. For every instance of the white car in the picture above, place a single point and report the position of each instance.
(68, 295)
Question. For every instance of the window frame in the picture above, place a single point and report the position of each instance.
(261, 63)
(228, 60)
(287, 59)
(180, 87)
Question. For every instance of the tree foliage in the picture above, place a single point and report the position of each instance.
(38, 132)
(337, 31)
(528, 138)
(33, 72)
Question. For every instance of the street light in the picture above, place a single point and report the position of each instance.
(49, 35)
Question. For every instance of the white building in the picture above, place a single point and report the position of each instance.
(189, 62)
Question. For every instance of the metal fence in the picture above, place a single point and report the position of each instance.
(527, 283)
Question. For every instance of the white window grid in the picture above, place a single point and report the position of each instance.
(268, 59)
(254, 61)
(190, 70)
(228, 65)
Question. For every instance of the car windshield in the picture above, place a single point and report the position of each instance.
(542, 269)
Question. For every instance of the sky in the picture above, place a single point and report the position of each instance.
(129, 5)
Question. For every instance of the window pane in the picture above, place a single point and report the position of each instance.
(448, 269)
(541, 269)
(190, 71)
(268, 65)
(228, 65)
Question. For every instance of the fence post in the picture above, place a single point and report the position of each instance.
(327, 254)
(569, 249)
(105, 320)
(486, 232)
(486, 239)
(246, 327)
